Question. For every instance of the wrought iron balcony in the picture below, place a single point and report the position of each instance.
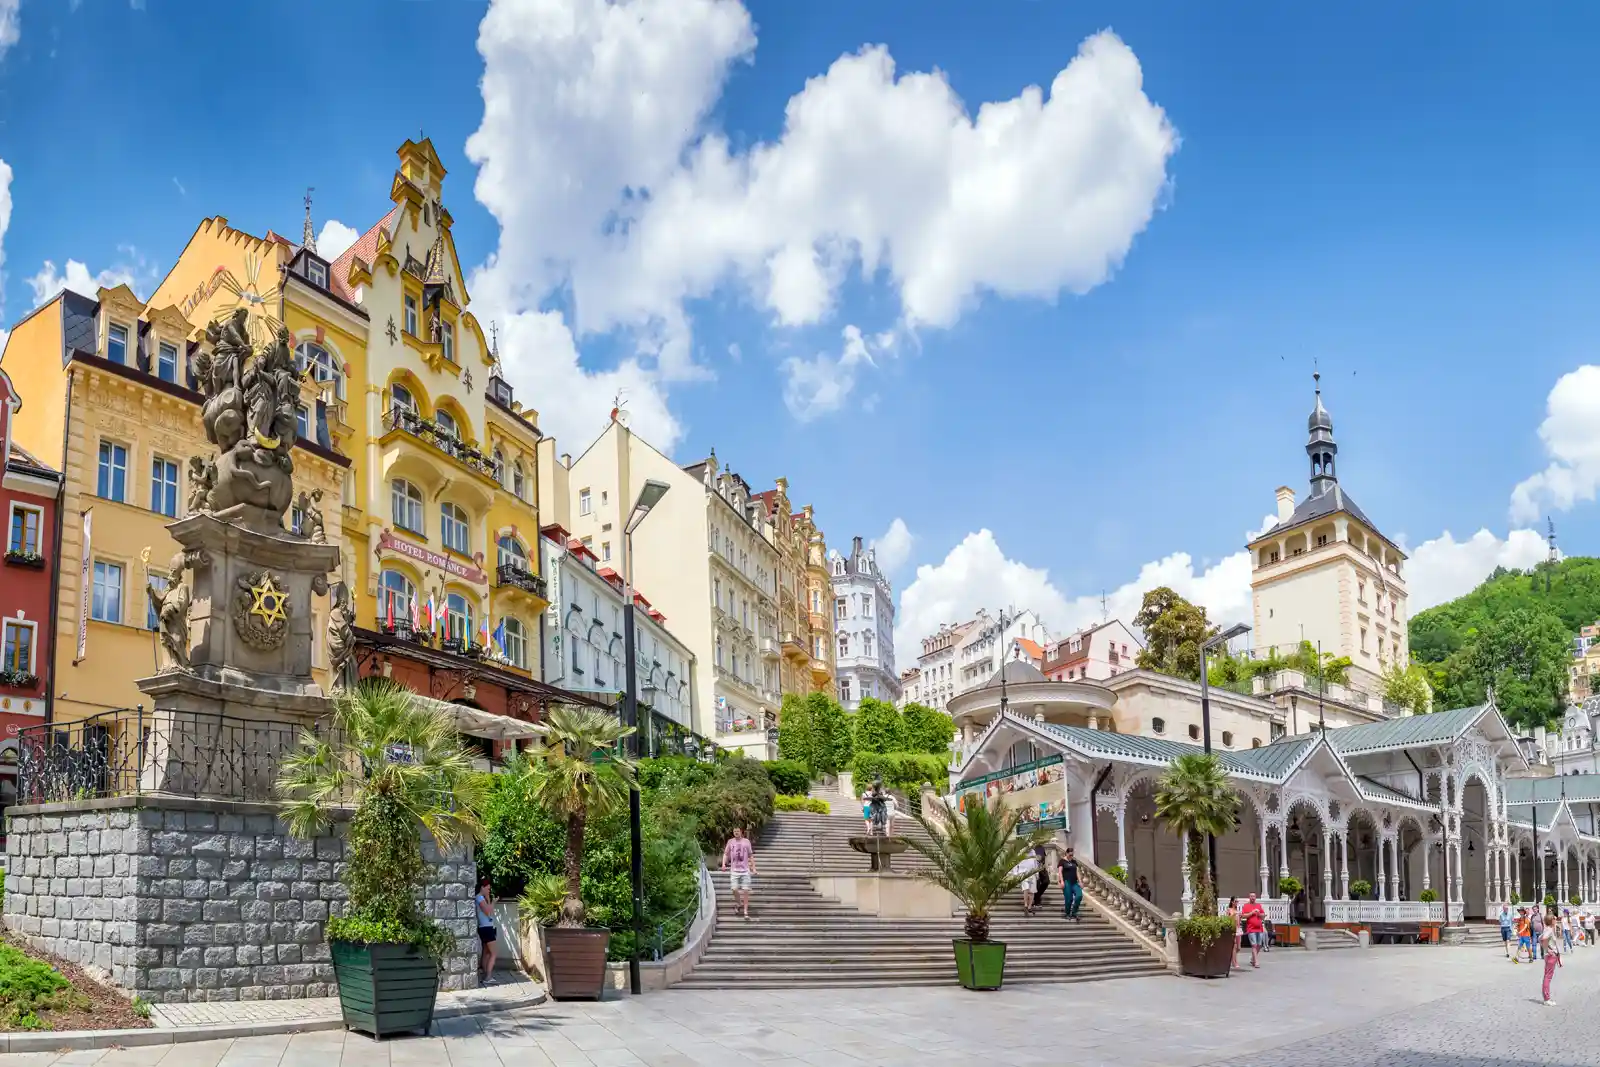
(519, 577)
(427, 430)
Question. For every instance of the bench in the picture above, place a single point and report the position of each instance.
(1395, 933)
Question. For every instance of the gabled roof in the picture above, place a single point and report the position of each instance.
(1439, 728)
(1275, 767)
(1576, 788)
(366, 247)
(1378, 791)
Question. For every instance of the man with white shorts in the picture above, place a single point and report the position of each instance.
(739, 860)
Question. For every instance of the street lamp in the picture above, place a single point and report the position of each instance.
(649, 496)
(1238, 629)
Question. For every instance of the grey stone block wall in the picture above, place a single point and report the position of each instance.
(183, 900)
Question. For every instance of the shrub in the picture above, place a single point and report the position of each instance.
(742, 768)
(740, 795)
(29, 986)
(1119, 872)
(1289, 885)
(783, 802)
(1427, 896)
(879, 727)
(1516, 898)
(927, 729)
(789, 776)
(1205, 928)
(1549, 900)
(671, 774)
(1577, 900)
(1360, 888)
(902, 770)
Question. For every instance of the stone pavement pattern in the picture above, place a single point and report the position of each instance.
(1386, 1007)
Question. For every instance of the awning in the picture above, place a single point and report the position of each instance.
(479, 723)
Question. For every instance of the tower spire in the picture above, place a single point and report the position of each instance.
(308, 237)
(1320, 446)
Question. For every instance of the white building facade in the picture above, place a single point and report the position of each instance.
(1093, 654)
(863, 619)
(986, 641)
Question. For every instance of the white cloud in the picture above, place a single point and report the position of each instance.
(5, 219)
(596, 158)
(1444, 568)
(334, 238)
(1571, 435)
(820, 385)
(10, 25)
(893, 547)
(132, 270)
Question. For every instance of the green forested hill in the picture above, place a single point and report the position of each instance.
(1513, 630)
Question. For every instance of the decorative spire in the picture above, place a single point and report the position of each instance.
(309, 237)
(1320, 446)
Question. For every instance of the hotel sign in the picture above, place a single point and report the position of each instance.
(388, 542)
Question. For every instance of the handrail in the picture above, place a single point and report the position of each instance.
(1138, 911)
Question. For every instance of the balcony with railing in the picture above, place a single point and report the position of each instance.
(516, 576)
(441, 440)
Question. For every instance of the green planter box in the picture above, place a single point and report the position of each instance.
(980, 964)
(385, 989)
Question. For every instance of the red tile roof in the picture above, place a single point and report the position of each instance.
(365, 247)
(1032, 649)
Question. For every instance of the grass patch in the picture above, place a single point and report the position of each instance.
(39, 992)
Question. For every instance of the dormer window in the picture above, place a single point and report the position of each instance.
(167, 362)
(117, 343)
(317, 273)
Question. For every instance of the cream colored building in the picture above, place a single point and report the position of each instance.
(1325, 574)
(706, 557)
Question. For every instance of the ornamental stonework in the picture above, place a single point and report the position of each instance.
(261, 610)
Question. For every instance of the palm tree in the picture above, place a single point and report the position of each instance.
(578, 772)
(1194, 796)
(974, 854)
(402, 766)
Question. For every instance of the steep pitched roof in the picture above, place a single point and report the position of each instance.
(366, 247)
(1576, 788)
(1321, 506)
(1440, 727)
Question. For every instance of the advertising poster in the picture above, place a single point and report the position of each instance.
(1038, 788)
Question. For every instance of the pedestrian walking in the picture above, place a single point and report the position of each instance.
(1143, 888)
(739, 860)
(1027, 869)
(1536, 925)
(1255, 928)
(1566, 928)
(1233, 913)
(1551, 937)
(1524, 925)
(1071, 890)
(486, 932)
(1588, 926)
(1041, 878)
(1506, 926)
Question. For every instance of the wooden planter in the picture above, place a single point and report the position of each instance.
(1286, 933)
(576, 961)
(1205, 961)
(980, 964)
(385, 989)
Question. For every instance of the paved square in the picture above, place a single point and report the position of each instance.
(1394, 1007)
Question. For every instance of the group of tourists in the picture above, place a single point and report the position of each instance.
(1034, 870)
(1250, 925)
(1545, 934)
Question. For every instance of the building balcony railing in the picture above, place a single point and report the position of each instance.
(432, 433)
(516, 576)
(769, 648)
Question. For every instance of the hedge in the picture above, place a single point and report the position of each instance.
(789, 776)
(905, 771)
(783, 802)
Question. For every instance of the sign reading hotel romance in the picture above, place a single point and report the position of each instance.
(401, 547)
(1038, 788)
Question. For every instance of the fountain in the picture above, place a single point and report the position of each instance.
(877, 845)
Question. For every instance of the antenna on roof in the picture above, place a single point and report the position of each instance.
(619, 406)
(1103, 615)
(1555, 555)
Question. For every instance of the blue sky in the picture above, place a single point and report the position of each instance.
(1403, 198)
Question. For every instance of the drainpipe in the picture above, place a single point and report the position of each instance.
(55, 558)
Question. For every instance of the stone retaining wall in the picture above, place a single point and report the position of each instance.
(185, 900)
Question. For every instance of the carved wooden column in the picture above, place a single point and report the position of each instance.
(1261, 826)
(1344, 864)
(1327, 868)
(1188, 890)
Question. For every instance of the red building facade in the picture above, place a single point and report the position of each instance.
(28, 494)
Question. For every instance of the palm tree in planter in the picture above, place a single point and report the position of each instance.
(401, 766)
(973, 856)
(1195, 799)
(577, 772)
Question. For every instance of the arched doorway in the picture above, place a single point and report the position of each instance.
(1364, 838)
(1474, 856)
(1305, 860)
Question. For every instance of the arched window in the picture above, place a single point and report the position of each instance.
(446, 423)
(1194, 733)
(400, 398)
(457, 618)
(1158, 726)
(1227, 738)
(1021, 752)
(518, 485)
(515, 642)
(396, 594)
(319, 364)
(512, 554)
(405, 505)
(453, 528)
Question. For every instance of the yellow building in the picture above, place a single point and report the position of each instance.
(805, 624)
(111, 405)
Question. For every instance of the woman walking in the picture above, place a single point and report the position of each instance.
(1550, 937)
(1238, 932)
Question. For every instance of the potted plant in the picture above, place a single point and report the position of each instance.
(973, 856)
(1193, 798)
(1576, 900)
(1359, 889)
(1117, 871)
(401, 766)
(1428, 896)
(576, 772)
(1516, 898)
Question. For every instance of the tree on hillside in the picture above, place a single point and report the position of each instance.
(1522, 657)
(1407, 685)
(879, 727)
(1174, 630)
(927, 729)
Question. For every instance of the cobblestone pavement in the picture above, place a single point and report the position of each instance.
(506, 990)
(1387, 1007)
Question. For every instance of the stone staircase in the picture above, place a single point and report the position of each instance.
(1482, 934)
(797, 937)
(1332, 940)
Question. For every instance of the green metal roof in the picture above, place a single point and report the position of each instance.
(1378, 791)
(1278, 758)
(1270, 763)
(1578, 788)
(1408, 730)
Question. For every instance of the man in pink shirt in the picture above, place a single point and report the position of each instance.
(739, 860)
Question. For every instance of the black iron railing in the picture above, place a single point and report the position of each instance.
(519, 577)
(445, 441)
(132, 751)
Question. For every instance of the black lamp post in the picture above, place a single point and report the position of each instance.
(649, 496)
(1222, 638)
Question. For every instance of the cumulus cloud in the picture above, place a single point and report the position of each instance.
(820, 385)
(10, 25)
(1444, 568)
(132, 270)
(613, 191)
(1571, 436)
(334, 238)
(892, 548)
(5, 215)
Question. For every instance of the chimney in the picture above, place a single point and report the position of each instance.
(855, 546)
(566, 460)
(1285, 503)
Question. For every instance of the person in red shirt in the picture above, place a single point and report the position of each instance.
(1254, 917)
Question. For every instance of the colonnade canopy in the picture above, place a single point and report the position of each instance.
(1550, 804)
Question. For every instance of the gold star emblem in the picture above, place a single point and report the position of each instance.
(268, 601)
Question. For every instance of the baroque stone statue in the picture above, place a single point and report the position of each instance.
(341, 627)
(202, 479)
(249, 414)
(171, 608)
(311, 522)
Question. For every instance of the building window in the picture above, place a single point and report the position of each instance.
(396, 594)
(117, 343)
(866, 606)
(164, 487)
(585, 504)
(318, 364)
(1194, 733)
(1277, 730)
(159, 583)
(457, 617)
(866, 645)
(167, 362)
(844, 645)
(1255, 742)
(1227, 738)
(302, 422)
(512, 554)
(1322, 539)
(405, 506)
(453, 528)
(106, 603)
(1158, 726)
(719, 650)
(514, 642)
(517, 486)
(605, 550)
(840, 608)
(844, 690)
(25, 523)
(411, 315)
(447, 424)
(447, 335)
(113, 476)
(19, 647)
(316, 274)
(400, 399)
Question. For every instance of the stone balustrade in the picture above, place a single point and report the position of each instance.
(1112, 896)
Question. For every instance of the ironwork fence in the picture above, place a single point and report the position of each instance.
(130, 751)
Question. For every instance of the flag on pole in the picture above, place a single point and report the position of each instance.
(486, 631)
(500, 638)
(388, 620)
(416, 613)
(433, 615)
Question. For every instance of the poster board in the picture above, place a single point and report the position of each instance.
(1038, 788)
